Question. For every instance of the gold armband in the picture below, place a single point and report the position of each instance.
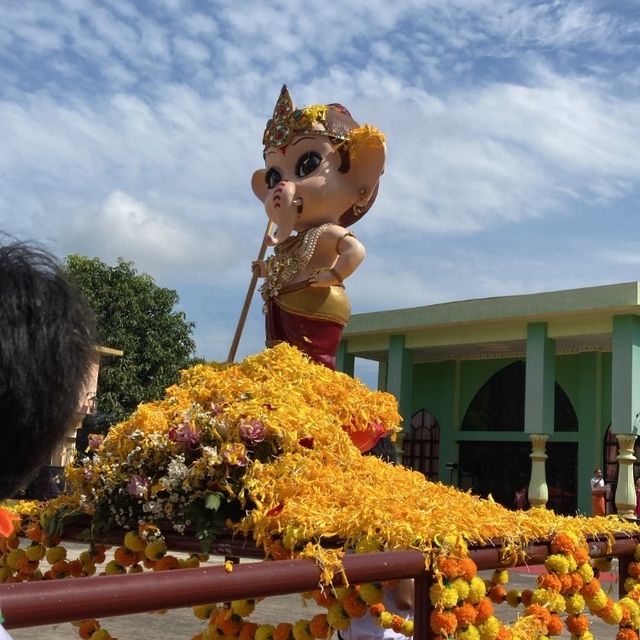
(342, 237)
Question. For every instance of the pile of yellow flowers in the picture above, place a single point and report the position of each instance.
(263, 447)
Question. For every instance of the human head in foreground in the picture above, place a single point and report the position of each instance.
(47, 344)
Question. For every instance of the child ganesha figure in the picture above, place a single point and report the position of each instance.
(322, 173)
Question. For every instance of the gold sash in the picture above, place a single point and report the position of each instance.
(319, 303)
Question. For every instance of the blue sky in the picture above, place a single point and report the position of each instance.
(132, 129)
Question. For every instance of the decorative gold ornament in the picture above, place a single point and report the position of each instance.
(288, 121)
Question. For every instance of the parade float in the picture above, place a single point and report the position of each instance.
(270, 451)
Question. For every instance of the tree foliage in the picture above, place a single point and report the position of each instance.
(135, 315)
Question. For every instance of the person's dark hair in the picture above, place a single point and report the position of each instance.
(47, 344)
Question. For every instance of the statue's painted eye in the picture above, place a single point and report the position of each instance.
(307, 163)
(272, 178)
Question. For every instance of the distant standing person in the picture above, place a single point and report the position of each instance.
(597, 493)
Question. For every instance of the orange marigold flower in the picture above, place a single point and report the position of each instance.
(319, 626)
(75, 568)
(87, 628)
(229, 623)
(125, 557)
(549, 581)
(565, 584)
(323, 598)
(34, 532)
(354, 606)
(484, 610)
(167, 564)
(554, 626)
(504, 634)
(577, 582)
(526, 596)
(449, 567)
(283, 631)
(634, 569)
(468, 568)
(591, 588)
(581, 555)
(634, 594)
(443, 622)
(60, 569)
(577, 625)
(247, 631)
(562, 543)
(497, 593)
(98, 554)
(278, 552)
(396, 623)
(627, 634)
(466, 614)
(538, 611)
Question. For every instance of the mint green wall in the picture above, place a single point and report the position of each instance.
(435, 389)
(568, 377)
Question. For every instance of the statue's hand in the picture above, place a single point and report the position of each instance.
(259, 267)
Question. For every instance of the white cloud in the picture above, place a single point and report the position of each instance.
(124, 226)
(135, 133)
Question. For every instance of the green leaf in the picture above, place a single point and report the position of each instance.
(213, 501)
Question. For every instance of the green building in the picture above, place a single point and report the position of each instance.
(475, 379)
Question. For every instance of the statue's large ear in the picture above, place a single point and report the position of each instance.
(259, 184)
(367, 154)
(367, 158)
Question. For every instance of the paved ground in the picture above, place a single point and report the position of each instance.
(181, 624)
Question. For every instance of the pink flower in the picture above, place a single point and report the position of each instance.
(138, 486)
(234, 453)
(184, 434)
(252, 430)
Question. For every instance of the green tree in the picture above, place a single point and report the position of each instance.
(135, 315)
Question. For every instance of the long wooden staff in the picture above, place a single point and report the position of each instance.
(247, 300)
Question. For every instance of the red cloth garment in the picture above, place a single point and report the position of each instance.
(319, 339)
(598, 505)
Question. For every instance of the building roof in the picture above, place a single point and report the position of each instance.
(578, 319)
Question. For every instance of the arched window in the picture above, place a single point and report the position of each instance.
(420, 448)
(499, 405)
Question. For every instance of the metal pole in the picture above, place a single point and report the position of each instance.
(30, 604)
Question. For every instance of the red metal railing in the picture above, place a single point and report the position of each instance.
(50, 602)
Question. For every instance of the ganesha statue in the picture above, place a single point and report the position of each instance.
(321, 175)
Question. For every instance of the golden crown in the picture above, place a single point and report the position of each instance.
(287, 121)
